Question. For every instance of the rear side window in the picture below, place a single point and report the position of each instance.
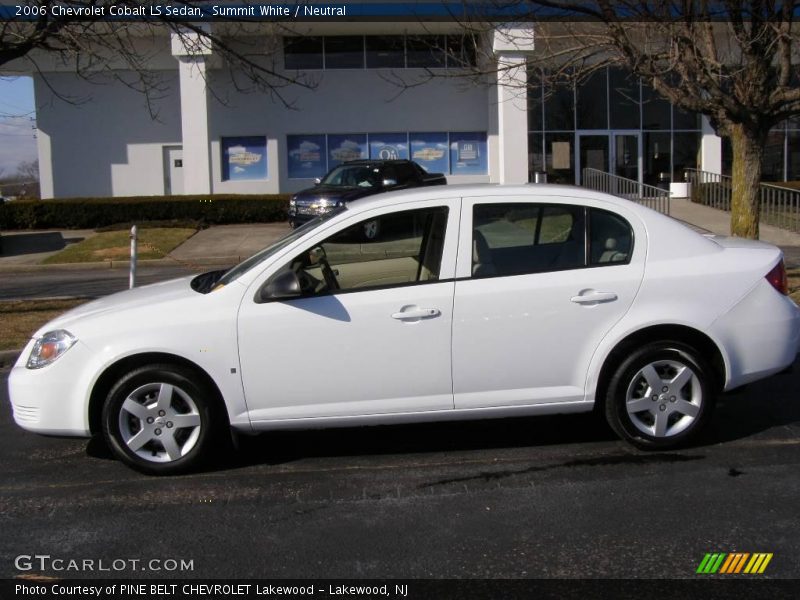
(610, 238)
(406, 173)
(516, 239)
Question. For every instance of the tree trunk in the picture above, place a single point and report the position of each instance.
(748, 150)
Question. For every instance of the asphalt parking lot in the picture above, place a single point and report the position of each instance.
(547, 497)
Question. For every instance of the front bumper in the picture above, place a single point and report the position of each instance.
(298, 219)
(304, 210)
(52, 400)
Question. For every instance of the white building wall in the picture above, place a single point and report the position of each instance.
(344, 101)
(108, 144)
(105, 142)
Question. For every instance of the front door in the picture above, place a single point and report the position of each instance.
(370, 333)
(617, 152)
(593, 153)
(625, 153)
(173, 170)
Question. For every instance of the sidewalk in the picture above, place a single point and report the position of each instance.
(719, 222)
(220, 245)
(229, 244)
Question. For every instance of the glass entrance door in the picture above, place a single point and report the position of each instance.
(593, 153)
(625, 151)
(615, 152)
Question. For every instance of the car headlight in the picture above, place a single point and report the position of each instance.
(49, 347)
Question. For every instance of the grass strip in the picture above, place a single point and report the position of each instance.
(116, 245)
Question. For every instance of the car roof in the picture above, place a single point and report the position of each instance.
(376, 161)
(535, 191)
(673, 237)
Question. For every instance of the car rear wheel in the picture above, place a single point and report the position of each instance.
(159, 420)
(661, 396)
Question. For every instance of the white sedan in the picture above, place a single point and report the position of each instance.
(472, 302)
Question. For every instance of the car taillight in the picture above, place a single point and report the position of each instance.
(777, 278)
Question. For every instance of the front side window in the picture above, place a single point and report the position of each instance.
(289, 238)
(396, 249)
(516, 239)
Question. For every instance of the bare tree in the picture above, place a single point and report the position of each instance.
(734, 61)
(95, 47)
(28, 171)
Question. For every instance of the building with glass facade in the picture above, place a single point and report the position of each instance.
(609, 121)
(209, 136)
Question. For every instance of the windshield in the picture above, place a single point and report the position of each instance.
(264, 254)
(353, 176)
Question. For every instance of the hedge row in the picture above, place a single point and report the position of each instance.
(89, 213)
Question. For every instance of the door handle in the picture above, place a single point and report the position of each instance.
(413, 313)
(592, 297)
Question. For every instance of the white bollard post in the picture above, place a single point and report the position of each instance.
(134, 254)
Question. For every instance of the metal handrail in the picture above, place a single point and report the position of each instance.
(779, 206)
(629, 189)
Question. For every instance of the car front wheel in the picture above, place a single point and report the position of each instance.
(158, 420)
(661, 396)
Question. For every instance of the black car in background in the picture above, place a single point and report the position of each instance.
(355, 179)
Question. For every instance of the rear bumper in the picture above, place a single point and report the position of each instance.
(760, 335)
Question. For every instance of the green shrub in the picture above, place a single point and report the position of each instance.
(90, 213)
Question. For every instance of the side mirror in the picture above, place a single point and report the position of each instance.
(389, 182)
(317, 181)
(281, 286)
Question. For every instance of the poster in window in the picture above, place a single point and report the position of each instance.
(306, 156)
(561, 155)
(388, 146)
(429, 150)
(342, 148)
(468, 153)
(244, 158)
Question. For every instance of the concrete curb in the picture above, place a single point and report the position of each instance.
(212, 261)
(8, 358)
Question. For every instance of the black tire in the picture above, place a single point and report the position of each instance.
(185, 400)
(668, 421)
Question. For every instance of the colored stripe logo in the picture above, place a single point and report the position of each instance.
(734, 563)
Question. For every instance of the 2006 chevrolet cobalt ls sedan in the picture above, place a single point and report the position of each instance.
(472, 302)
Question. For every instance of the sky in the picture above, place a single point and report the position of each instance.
(17, 123)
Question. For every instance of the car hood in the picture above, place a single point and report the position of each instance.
(333, 192)
(148, 295)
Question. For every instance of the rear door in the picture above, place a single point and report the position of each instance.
(539, 285)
